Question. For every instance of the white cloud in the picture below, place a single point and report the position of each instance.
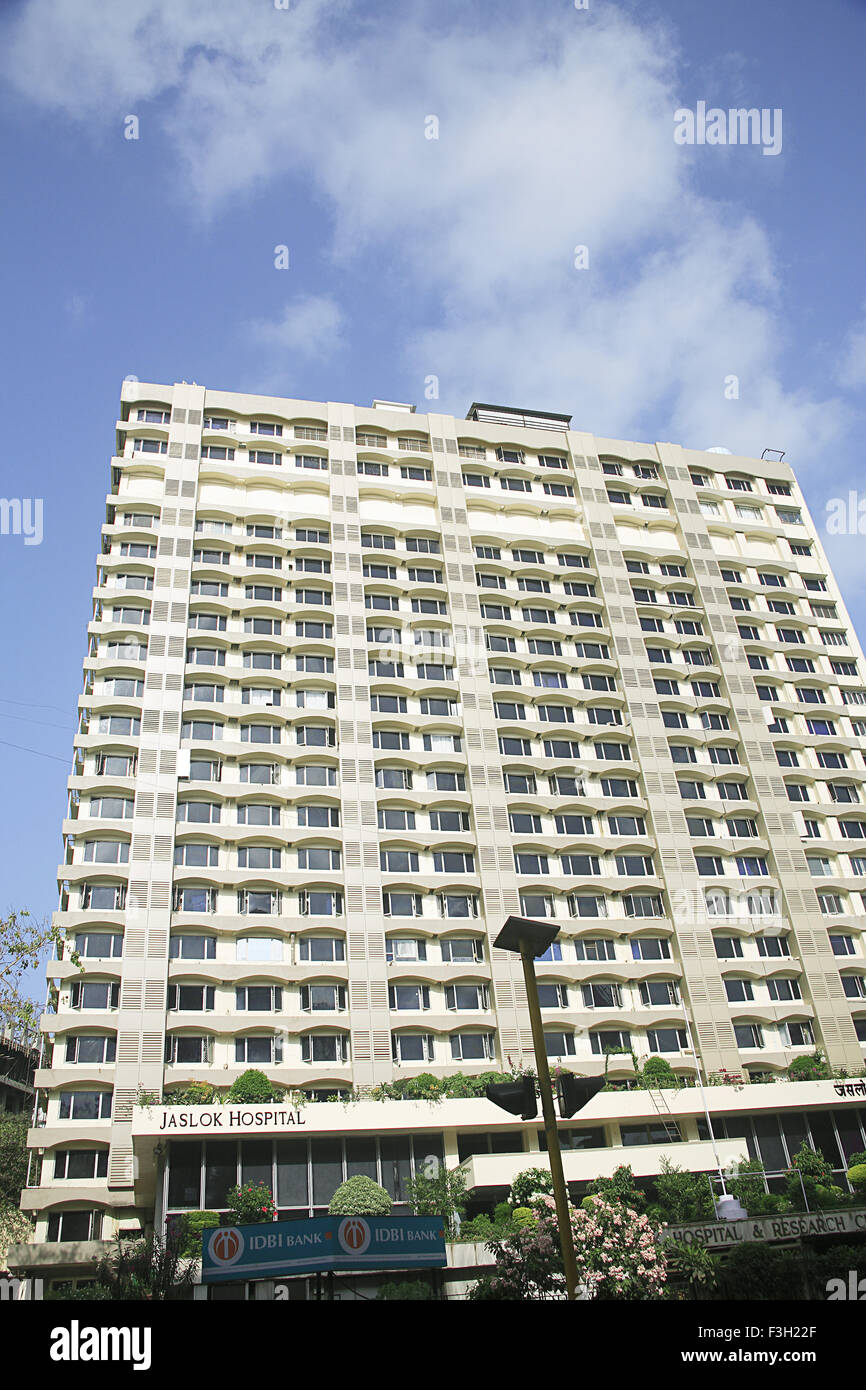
(309, 327)
(852, 372)
(554, 131)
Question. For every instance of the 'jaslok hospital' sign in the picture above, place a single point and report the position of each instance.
(227, 1117)
(728, 1233)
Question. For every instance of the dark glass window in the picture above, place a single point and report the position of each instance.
(221, 1172)
(184, 1175)
(292, 1185)
(327, 1157)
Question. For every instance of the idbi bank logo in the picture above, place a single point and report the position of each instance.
(226, 1245)
(354, 1235)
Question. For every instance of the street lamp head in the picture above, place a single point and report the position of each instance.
(525, 936)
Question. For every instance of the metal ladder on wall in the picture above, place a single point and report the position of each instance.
(661, 1107)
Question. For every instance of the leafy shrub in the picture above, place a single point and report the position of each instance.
(360, 1196)
(857, 1176)
(692, 1266)
(406, 1290)
(480, 1229)
(196, 1093)
(854, 1160)
(812, 1168)
(253, 1088)
(250, 1204)
(812, 1068)
(756, 1271)
(619, 1188)
(683, 1196)
(192, 1224)
(83, 1293)
(657, 1074)
(529, 1185)
(522, 1217)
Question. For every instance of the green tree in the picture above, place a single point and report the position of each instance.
(618, 1188)
(442, 1193)
(13, 1156)
(360, 1196)
(25, 941)
(145, 1271)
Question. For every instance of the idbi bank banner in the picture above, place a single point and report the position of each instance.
(278, 1248)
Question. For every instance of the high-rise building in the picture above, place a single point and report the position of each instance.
(360, 683)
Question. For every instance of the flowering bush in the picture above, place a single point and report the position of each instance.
(617, 1251)
(251, 1203)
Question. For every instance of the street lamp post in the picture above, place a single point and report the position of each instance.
(530, 939)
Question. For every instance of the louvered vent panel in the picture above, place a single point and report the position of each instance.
(157, 944)
(144, 804)
(153, 1044)
(127, 1049)
(165, 806)
(150, 719)
(123, 1101)
(138, 896)
(154, 995)
(130, 997)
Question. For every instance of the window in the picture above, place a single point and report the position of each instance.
(783, 990)
(323, 998)
(659, 993)
(321, 949)
(667, 1039)
(553, 996)
(316, 858)
(650, 948)
(76, 1225)
(85, 1105)
(75, 1164)
(398, 861)
(320, 904)
(402, 904)
(458, 905)
(608, 1040)
(595, 948)
(412, 1047)
(588, 905)
(749, 1035)
(471, 1047)
(90, 1049)
(772, 947)
(188, 1049)
(602, 996)
(643, 905)
(453, 862)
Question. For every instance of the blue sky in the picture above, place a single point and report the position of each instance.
(409, 256)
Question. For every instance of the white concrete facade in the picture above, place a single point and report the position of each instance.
(361, 682)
